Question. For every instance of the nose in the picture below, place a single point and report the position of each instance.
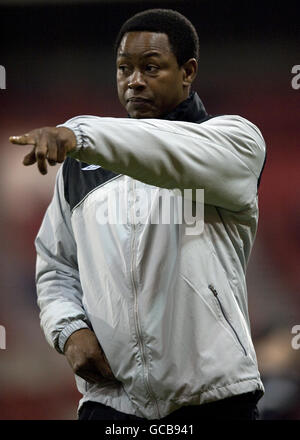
(136, 80)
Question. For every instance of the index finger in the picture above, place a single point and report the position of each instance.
(24, 139)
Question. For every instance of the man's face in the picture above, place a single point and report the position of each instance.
(149, 79)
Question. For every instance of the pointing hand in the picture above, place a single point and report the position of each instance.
(49, 143)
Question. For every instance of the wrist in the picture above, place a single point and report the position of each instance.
(67, 137)
(67, 332)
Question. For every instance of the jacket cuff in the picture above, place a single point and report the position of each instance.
(66, 333)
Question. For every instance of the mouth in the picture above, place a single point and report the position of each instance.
(138, 104)
(138, 100)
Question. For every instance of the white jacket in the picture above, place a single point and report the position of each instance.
(169, 309)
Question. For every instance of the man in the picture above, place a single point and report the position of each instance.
(153, 321)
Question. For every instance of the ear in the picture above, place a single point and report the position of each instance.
(189, 69)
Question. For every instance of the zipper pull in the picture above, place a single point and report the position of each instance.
(211, 287)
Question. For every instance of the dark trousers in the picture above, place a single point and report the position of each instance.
(241, 407)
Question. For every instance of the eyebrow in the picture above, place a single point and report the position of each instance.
(152, 53)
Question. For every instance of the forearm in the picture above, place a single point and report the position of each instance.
(59, 299)
(59, 292)
(173, 154)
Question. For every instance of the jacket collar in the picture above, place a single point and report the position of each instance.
(190, 110)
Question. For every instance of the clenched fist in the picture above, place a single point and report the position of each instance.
(49, 144)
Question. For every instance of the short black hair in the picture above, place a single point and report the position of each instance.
(183, 37)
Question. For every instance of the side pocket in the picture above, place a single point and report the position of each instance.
(215, 293)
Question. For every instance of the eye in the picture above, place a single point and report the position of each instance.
(151, 68)
(123, 68)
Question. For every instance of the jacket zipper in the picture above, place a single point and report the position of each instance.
(137, 322)
(215, 293)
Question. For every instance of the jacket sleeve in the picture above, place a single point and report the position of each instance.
(224, 155)
(57, 278)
